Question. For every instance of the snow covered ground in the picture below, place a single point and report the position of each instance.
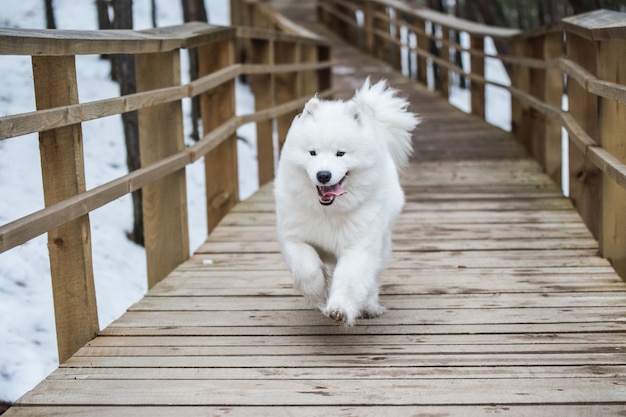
(27, 332)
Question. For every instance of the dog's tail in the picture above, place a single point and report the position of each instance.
(391, 111)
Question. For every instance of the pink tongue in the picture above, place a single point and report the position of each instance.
(332, 190)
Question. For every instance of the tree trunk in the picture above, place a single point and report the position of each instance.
(102, 8)
(493, 14)
(50, 22)
(104, 23)
(194, 11)
(124, 71)
(154, 13)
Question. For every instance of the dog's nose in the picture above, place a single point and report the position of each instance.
(324, 176)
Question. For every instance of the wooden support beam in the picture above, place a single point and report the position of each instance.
(286, 86)
(422, 45)
(63, 172)
(217, 107)
(477, 88)
(445, 55)
(612, 125)
(165, 200)
(584, 177)
(262, 87)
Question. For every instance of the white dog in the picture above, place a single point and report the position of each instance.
(338, 195)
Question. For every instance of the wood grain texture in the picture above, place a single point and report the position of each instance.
(165, 199)
(63, 174)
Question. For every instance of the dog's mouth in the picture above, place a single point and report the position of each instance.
(327, 193)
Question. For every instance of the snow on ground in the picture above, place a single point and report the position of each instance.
(27, 331)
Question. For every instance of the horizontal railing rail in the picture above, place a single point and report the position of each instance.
(593, 67)
(285, 70)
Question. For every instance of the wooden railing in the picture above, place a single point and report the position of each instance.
(285, 69)
(593, 66)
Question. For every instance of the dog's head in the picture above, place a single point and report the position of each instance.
(333, 144)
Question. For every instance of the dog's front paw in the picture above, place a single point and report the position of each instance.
(340, 316)
(373, 312)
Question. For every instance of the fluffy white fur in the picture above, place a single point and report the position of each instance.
(337, 245)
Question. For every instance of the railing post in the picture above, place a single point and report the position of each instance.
(445, 56)
(368, 28)
(477, 88)
(422, 46)
(520, 79)
(612, 121)
(218, 106)
(381, 24)
(324, 75)
(165, 200)
(395, 53)
(63, 172)
(262, 87)
(286, 86)
(308, 79)
(585, 180)
(540, 134)
(549, 128)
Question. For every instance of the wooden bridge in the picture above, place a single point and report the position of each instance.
(501, 300)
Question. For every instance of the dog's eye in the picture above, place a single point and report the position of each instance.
(312, 153)
(340, 153)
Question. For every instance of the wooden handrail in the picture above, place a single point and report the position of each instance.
(595, 66)
(164, 157)
(42, 120)
(43, 42)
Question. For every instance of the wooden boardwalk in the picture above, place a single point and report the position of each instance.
(498, 305)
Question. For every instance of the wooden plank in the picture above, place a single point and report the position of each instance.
(328, 392)
(242, 218)
(164, 200)
(364, 328)
(232, 375)
(429, 231)
(42, 42)
(278, 283)
(407, 260)
(63, 176)
(377, 341)
(398, 301)
(590, 410)
(392, 317)
(323, 350)
(425, 245)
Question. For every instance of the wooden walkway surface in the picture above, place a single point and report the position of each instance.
(498, 305)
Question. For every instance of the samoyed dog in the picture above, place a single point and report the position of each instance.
(338, 195)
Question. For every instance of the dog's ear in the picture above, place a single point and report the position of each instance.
(311, 107)
(352, 109)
